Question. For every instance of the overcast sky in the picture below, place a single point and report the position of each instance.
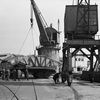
(15, 23)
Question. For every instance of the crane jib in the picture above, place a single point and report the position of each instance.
(40, 21)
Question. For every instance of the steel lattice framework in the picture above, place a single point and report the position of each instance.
(83, 16)
(78, 44)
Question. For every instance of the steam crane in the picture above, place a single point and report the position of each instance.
(49, 37)
(80, 27)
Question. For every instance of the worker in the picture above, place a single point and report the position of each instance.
(14, 74)
(3, 74)
(19, 74)
(63, 77)
(56, 78)
(66, 76)
(7, 74)
(26, 74)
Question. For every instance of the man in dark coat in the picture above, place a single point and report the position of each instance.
(56, 78)
(19, 74)
(7, 74)
(66, 76)
(26, 74)
(3, 74)
(14, 72)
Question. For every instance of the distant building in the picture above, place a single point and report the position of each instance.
(79, 63)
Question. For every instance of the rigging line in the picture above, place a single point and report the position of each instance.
(32, 37)
(44, 20)
(36, 33)
(24, 41)
(34, 30)
(31, 19)
(31, 14)
(73, 2)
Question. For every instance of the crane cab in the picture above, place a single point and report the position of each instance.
(53, 37)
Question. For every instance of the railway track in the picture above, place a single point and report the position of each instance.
(36, 96)
(76, 94)
(16, 91)
(41, 89)
(14, 94)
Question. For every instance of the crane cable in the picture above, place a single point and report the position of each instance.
(73, 2)
(31, 14)
(31, 22)
(24, 41)
(32, 37)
